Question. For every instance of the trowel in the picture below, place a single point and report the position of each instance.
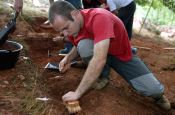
(55, 66)
(52, 65)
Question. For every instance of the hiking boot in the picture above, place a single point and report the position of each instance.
(100, 83)
(163, 103)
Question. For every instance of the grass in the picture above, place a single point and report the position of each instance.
(30, 87)
(28, 103)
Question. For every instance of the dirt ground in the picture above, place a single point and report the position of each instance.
(28, 80)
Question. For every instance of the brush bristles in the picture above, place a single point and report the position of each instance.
(73, 107)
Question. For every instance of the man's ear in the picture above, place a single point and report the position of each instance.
(74, 14)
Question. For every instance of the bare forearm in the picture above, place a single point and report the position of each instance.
(93, 71)
(91, 75)
(95, 67)
(72, 54)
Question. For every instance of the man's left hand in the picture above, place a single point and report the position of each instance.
(70, 96)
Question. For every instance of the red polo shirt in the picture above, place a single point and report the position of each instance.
(100, 24)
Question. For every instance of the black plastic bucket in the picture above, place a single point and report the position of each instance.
(9, 54)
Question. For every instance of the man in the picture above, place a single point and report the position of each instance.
(102, 35)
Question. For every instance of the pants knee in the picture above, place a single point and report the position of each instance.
(85, 49)
(148, 85)
(154, 91)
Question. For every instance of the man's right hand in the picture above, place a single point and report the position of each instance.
(64, 65)
(18, 4)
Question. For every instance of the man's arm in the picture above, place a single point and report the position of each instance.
(72, 54)
(66, 61)
(93, 71)
(95, 66)
(18, 4)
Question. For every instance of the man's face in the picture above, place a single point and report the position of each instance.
(67, 27)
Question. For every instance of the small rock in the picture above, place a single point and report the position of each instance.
(57, 77)
(24, 84)
(6, 82)
(21, 77)
(2, 103)
(3, 86)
